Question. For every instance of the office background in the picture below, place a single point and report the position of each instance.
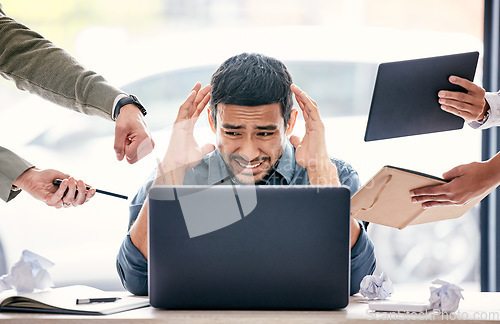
(157, 49)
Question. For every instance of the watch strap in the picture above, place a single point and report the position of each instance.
(130, 99)
(485, 117)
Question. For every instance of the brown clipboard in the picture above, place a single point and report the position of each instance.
(385, 199)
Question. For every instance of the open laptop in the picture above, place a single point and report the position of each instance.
(249, 247)
(405, 96)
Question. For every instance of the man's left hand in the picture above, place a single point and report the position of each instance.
(311, 152)
(132, 137)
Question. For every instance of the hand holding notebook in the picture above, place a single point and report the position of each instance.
(386, 200)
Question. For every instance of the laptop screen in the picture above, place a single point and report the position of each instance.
(249, 247)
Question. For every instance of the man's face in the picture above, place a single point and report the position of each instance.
(250, 139)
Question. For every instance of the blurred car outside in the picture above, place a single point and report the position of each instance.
(338, 72)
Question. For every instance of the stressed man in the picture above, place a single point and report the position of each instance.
(252, 117)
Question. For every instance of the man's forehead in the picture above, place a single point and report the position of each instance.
(264, 115)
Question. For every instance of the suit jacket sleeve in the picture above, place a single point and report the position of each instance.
(36, 65)
(11, 167)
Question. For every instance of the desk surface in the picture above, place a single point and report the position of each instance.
(475, 306)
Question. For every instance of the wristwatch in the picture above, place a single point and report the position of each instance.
(485, 117)
(130, 99)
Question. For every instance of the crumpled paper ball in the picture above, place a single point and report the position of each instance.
(445, 298)
(28, 274)
(374, 287)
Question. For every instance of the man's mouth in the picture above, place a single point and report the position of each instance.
(249, 166)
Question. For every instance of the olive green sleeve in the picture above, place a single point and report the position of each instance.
(11, 167)
(38, 66)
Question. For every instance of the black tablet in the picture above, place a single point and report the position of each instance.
(405, 96)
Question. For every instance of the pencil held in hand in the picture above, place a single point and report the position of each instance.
(58, 182)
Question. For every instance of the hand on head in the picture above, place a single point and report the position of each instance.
(311, 149)
(183, 151)
(311, 152)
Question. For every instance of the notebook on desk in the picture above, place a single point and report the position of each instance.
(63, 300)
(249, 247)
(405, 96)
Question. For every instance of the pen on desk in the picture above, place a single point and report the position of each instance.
(96, 300)
(58, 182)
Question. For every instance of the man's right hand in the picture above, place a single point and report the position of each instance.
(471, 106)
(183, 152)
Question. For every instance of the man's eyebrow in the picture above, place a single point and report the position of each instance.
(268, 127)
(229, 126)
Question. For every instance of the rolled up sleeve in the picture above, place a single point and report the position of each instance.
(132, 268)
(131, 265)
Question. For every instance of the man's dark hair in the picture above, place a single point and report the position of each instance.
(252, 80)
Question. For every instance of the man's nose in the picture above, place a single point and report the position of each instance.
(249, 149)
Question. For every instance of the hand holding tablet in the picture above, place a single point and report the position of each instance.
(405, 97)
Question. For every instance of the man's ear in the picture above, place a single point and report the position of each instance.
(211, 120)
(291, 121)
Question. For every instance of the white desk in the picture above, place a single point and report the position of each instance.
(475, 306)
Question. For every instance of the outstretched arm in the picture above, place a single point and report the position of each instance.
(36, 65)
(39, 184)
(468, 181)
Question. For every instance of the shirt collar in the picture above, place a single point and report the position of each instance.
(286, 164)
(217, 170)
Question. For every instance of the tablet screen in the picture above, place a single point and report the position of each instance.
(405, 96)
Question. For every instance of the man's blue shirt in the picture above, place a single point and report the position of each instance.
(133, 268)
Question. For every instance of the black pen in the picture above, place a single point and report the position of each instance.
(96, 300)
(58, 182)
